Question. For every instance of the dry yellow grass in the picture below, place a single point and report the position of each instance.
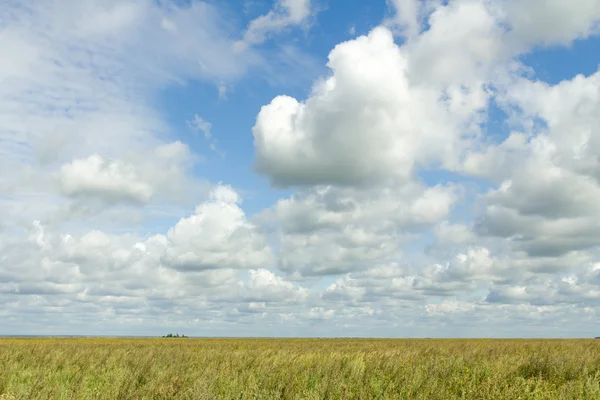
(298, 369)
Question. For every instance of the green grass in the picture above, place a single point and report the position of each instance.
(298, 369)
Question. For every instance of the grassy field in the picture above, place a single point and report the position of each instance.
(298, 369)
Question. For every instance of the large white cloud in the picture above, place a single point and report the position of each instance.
(367, 122)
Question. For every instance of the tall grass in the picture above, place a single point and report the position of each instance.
(298, 369)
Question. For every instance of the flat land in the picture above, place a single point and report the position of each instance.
(298, 369)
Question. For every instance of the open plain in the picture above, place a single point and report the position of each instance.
(102, 368)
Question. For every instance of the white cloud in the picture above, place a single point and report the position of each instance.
(462, 49)
(264, 286)
(475, 269)
(407, 16)
(466, 271)
(160, 176)
(365, 123)
(112, 180)
(546, 202)
(453, 234)
(285, 13)
(97, 267)
(329, 230)
(578, 287)
(478, 279)
(217, 236)
(201, 125)
(344, 290)
(550, 22)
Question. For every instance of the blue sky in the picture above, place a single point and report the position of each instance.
(300, 168)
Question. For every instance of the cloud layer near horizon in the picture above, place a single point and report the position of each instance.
(407, 212)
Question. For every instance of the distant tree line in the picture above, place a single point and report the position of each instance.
(170, 335)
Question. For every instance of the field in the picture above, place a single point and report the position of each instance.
(298, 369)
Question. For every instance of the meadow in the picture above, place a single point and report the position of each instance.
(58, 368)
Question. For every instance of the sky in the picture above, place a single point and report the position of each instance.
(307, 168)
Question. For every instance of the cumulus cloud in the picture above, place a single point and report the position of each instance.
(383, 282)
(453, 234)
(264, 286)
(161, 175)
(95, 176)
(546, 202)
(218, 235)
(406, 16)
(463, 273)
(196, 259)
(463, 48)
(473, 270)
(330, 230)
(382, 113)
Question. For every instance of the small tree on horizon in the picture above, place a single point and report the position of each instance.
(170, 335)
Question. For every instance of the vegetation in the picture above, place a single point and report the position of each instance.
(170, 335)
(298, 369)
